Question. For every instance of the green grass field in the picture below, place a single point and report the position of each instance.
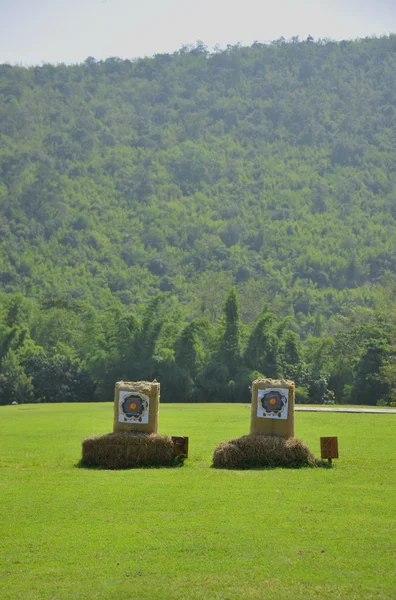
(194, 532)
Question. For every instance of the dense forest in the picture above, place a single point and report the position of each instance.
(202, 218)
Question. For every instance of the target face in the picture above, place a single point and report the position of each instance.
(272, 403)
(133, 407)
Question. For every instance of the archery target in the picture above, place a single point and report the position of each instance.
(273, 403)
(133, 407)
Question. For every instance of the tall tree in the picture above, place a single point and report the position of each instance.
(369, 387)
(189, 352)
(230, 345)
(15, 385)
(262, 352)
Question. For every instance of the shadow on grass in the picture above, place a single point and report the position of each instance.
(321, 464)
(177, 463)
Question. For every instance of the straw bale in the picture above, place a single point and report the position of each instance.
(126, 450)
(227, 454)
(257, 450)
(267, 382)
(272, 426)
(151, 389)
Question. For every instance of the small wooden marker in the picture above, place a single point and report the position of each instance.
(180, 444)
(329, 448)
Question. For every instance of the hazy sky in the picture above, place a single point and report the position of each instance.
(36, 31)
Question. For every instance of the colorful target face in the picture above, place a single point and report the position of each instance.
(133, 407)
(273, 403)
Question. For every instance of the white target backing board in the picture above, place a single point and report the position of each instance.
(133, 407)
(273, 403)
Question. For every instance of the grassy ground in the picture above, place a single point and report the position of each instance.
(194, 532)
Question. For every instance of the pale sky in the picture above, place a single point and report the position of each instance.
(37, 31)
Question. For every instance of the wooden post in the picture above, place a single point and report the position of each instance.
(180, 444)
(272, 407)
(329, 448)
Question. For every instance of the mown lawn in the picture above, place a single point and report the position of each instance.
(194, 532)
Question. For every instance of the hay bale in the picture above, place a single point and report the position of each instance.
(257, 450)
(272, 423)
(146, 422)
(227, 454)
(126, 450)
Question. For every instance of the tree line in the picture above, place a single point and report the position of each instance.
(68, 352)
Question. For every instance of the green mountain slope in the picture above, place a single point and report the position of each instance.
(271, 167)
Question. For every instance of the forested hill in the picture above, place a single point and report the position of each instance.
(270, 167)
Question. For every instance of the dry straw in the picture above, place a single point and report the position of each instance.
(257, 450)
(272, 427)
(148, 388)
(126, 450)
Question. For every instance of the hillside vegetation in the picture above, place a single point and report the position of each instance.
(135, 194)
